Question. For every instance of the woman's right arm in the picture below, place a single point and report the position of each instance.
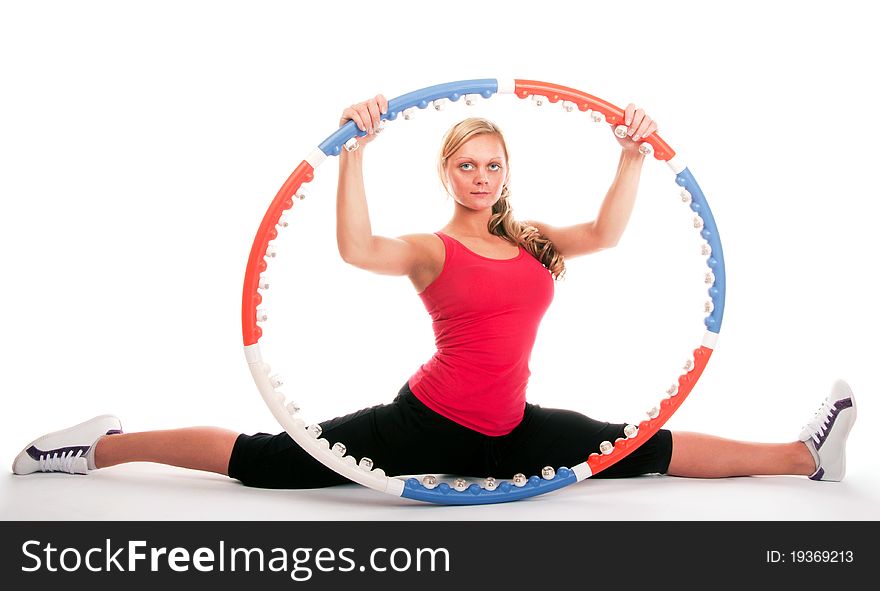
(354, 235)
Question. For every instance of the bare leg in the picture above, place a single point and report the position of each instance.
(197, 448)
(695, 455)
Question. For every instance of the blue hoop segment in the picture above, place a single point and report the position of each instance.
(709, 233)
(452, 91)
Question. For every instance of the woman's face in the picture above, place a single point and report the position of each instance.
(477, 171)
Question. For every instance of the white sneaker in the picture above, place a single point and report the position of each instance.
(70, 450)
(825, 435)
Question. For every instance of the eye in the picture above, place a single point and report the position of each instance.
(464, 165)
(495, 166)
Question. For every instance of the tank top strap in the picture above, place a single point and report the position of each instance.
(450, 243)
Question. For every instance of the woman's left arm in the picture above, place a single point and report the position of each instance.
(614, 213)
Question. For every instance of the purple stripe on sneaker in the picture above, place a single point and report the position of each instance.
(818, 474)
(114, 432)
(37, 453)
(839, 406)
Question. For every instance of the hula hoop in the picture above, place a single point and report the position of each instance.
(461, 492)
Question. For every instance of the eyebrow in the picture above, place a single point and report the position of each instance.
(470, 158)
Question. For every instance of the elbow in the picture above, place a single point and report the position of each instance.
(349, 252)
(602, 236)
(345, 254)
(607, 241)
(352, 256)
(348, 258)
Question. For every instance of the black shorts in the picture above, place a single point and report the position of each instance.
(406, 437)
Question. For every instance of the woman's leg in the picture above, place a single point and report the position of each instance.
(696, 455)
(264, 460)
(402, 437)
(820, 452)
(558, 437)
(561, 436)
(197, 448)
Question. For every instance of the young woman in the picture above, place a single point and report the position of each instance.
(486, 280)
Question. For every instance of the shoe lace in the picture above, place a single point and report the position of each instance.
(819, 423)
(59, 462)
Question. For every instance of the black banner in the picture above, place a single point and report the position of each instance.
(434, 555)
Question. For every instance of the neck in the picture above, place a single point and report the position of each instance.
(467, 222)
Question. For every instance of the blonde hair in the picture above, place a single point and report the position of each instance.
(501, 223)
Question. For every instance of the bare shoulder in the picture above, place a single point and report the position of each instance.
(430, 254)
(428, 247)
(422, 241)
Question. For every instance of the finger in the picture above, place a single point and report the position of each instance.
(628, 114)
(383, 103)
(375, 116)
(636, 121)
(651, 129)
(352, 114)
(642, 128)
(364, 113)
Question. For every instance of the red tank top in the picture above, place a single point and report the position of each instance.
(485, 315)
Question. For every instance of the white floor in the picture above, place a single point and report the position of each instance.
(152, 492)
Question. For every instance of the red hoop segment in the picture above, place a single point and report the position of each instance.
(267, 231)
(668, 406)
(584, 101)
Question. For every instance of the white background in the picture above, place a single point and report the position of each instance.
(141, 144)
